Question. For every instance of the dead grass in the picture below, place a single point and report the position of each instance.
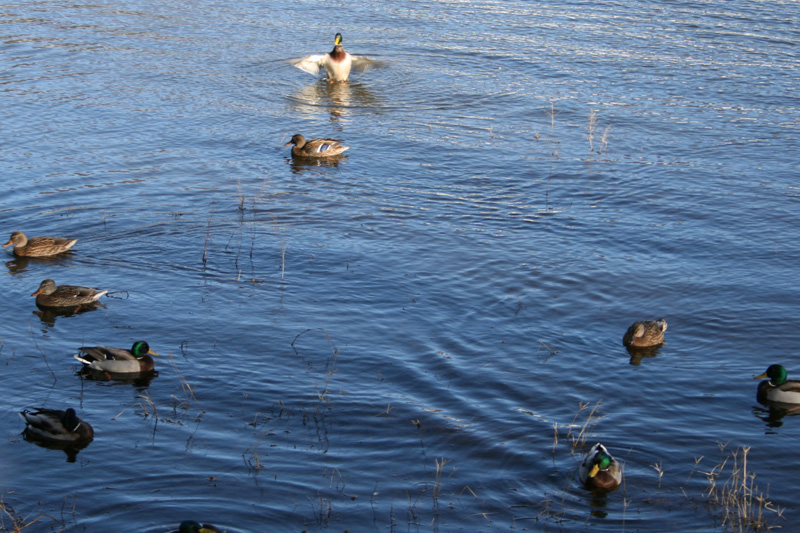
(742, 506)
(578, 440)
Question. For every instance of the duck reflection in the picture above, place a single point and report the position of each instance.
(773, 413)
(338, 98)
(139, 380)
(20, 264)
(71, 449)
(48, 314)
(305, 164)
(638, 353)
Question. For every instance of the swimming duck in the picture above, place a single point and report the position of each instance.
(118, 360)
(600, 470)
(777, 388)
(315, 147)
(337, 62)
(38, 246)
(645, 333)
(50, 295)
(56, 426)
(190, 526)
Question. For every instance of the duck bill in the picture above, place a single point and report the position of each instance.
(9, 243)
(37, 293)
(151, 352)
(287, 144)
(594, 471)
(762, 376)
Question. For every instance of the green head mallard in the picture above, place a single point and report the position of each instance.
(337, 63)
(191, 526)
(600, 470)
(56, 426)
(137, 360)
(777, 388)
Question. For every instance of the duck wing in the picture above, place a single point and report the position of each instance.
(104, 353)
(310, 64)
(364, 64)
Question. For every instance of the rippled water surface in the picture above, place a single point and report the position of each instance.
(412, 338)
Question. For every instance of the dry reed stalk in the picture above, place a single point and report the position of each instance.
(591, 127)
(579, 441)
(738, 498)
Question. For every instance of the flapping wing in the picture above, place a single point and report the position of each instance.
(364, 64)
(310, 64)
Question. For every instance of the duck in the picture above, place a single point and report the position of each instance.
(190, 526)
(38, 246)
(777, 388)
(55, 426)
(600, 470)
(51, 295)
(315, 147)
(118, 360)
(645, 333)
(337, 63)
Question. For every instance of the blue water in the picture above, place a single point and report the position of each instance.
(524, 181)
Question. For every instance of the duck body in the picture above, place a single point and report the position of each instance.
(600, 470)
(51, 295)
(337, 63)
(315, 148)
(777, 388)
(118, 360)
(645, 333)
(190, 526)
(57, 427)
(38, 246)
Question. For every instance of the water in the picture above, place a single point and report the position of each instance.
(451, 293)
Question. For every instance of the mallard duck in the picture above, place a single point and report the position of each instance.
(315, 147)
(38, 246)
(54, 426)
(337, 63)
(645, 333)
(50, 295)
(118, 360)
(600, 470)
(190, 526)
(777, 388)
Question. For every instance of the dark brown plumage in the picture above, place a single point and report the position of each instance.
(38, 246)
(315, 148)
(645, 333)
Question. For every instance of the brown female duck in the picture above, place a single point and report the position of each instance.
(315, 148)
(38, 246)
(645, 333)
(51, 295)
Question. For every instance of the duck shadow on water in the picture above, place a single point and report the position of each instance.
(18, 264)
(773, 413)
(337, 98)
(48, 315)
(69, 448)
(639, 353)
(140, 380)
(301, 165)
